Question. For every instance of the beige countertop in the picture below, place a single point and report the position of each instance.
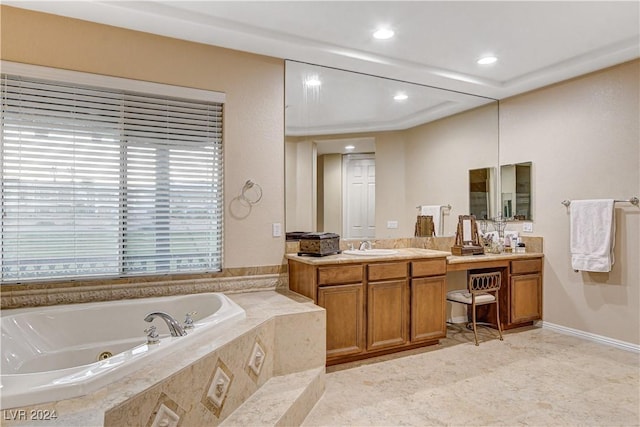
(458, 259)
(411, 253)
(401, 254)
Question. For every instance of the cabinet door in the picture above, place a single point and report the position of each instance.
(526, 298)
(387, 314)
(428, 309)
(345, 318)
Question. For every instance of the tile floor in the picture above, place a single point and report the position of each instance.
(534, 377)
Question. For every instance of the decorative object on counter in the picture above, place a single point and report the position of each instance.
(294, 236)
(500, 223)
(319, 244)
(467, 237)
(485, 236)
(424, 226)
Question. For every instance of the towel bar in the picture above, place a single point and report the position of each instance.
(634, 201)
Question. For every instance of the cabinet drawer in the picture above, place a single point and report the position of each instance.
(429, 267)
(387, 270)
(526, 266)
(340, 275)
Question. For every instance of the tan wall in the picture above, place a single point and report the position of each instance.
(253, 115)
(439, 156)
(583, 138)
(332, 193)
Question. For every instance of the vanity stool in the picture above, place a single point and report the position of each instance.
(482, 289)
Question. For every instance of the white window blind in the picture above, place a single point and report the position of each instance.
(104, 182)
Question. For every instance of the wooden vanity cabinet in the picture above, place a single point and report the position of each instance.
(387, 305)
(345, 319)
(341, 293)
(428, 304)
(375, 307)
(525, 292)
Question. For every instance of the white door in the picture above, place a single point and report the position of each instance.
(360, 196)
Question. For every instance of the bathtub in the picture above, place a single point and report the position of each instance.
(60, 352)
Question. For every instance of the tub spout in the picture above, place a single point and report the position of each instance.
(174, 327)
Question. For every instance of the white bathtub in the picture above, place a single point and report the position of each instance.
(52, 353)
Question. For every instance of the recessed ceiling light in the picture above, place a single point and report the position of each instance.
(400, 97)
(349, 147)
(487, 60)
(312, 82)
(383, 34)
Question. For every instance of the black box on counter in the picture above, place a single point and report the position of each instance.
(319, 244)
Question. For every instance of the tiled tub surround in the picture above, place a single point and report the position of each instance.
(93, 290)
(185, 387)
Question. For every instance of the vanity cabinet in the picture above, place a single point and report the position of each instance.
(345, 319)
(520, 290)
(375, 307)
(428, 300)
(387, 305)
(341, 293)
(525, 292)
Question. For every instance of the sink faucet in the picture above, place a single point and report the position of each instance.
(365, 245)
(174, 327)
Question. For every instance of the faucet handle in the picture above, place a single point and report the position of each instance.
(188, 321)
(152, 335)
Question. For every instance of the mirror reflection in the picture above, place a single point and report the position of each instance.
(363, 152)
(482, 192)
(515, 182)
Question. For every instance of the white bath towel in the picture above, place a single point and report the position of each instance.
(436, 212)
(592, 235)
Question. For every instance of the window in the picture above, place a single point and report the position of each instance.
(101, 181)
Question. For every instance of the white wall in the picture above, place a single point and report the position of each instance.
(583, 138)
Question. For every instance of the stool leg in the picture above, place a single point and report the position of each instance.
(498, 317)
(475, 332)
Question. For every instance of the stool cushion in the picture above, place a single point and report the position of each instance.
(464, 297)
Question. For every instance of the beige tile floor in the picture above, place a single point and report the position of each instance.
(534, 377)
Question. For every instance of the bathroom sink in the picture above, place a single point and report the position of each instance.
(370, 252)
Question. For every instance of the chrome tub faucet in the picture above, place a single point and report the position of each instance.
(174, 327)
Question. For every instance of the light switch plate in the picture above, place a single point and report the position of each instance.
(276, 229)
(527, 227)
(392, 224)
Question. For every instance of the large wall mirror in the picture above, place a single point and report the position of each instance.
(364, 152)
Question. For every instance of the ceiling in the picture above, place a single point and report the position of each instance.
(436, 43)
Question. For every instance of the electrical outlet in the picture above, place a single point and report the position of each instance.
(527, 227)
(392, 224)
(276, 229)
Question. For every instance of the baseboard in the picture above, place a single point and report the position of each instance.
(623, 345)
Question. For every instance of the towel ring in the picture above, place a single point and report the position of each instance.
(249, 185)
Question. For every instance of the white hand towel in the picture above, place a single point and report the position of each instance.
(592, 235)
(435, 212)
